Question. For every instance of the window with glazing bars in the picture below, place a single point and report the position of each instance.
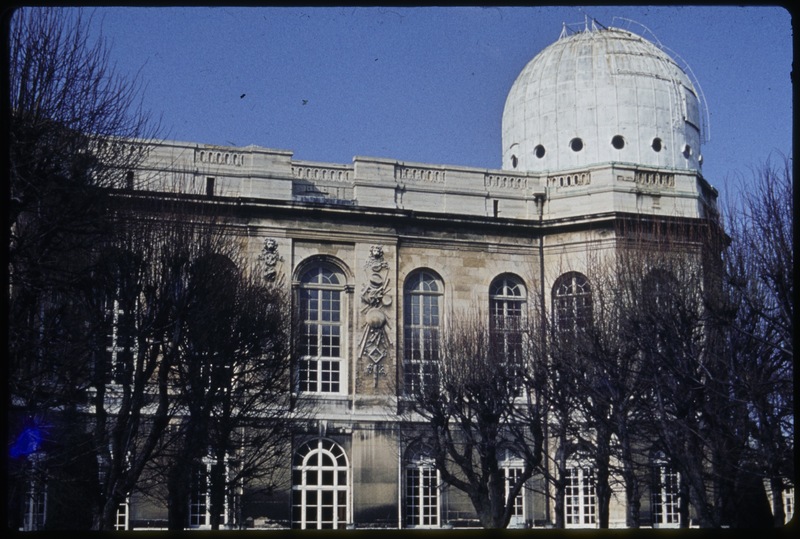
(34, 503)
(421, 329)
(507, 310)
(664, 495)
(320, 299)
(200, 497)
(421, 495)
(319, 486)
(120, 338)
(572, 304)
(122, 516)
(580, 498)
(512, 475)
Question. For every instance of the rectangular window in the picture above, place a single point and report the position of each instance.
(200, 498)
(421, 339)
(210, 186)
(665, 505)
(580, 499)
(422, 497)
(123, 513)
(35, 506)
(506, 339)
(788, 504)
(120, 340)
(198, 504)
(512, 476)
(321, 341)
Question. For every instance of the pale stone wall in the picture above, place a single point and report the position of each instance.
(266, 174)
(380, 220)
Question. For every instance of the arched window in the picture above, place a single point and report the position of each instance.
(321, 340)
(580, 498)
(421, 491)
(664, 504)
(319, 486)
(507, 310)
(572, 304)
(421, 319)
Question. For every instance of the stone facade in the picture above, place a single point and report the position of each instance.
(375, 224)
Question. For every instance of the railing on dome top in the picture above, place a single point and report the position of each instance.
(576, 28)
(705, 118)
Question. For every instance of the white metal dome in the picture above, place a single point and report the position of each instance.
(601, 96)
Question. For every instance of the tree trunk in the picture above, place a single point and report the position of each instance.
(632, 501)
(178, 492)
(217, 489)
(602, 477)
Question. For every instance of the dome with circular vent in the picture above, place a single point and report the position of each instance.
(601, 96)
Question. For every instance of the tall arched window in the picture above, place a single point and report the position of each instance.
(421, 491)
(421, 319)
(321, 340)
(319, 486)
(507, 306)
(572, 304)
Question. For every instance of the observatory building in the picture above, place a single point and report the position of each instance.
(601, 128)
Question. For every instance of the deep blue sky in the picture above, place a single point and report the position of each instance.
(428, 84)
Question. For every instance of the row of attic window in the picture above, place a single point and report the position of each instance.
(617, 141)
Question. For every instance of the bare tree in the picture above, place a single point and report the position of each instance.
(477, 406)
(609, 388)
(66, 108)
(760, 293)
(696, 420)
(230, 375)
(136, 311)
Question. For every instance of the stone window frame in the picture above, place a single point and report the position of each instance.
(423, 293)
(330, 374)
(508, 313)
(200, 495)
(422, 491)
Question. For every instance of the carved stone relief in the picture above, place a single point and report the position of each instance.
(271, 258)
(375, 300)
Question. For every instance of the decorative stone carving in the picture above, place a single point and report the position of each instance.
(418, 174)
(374, 298)
(570, 180)
(271, 258)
